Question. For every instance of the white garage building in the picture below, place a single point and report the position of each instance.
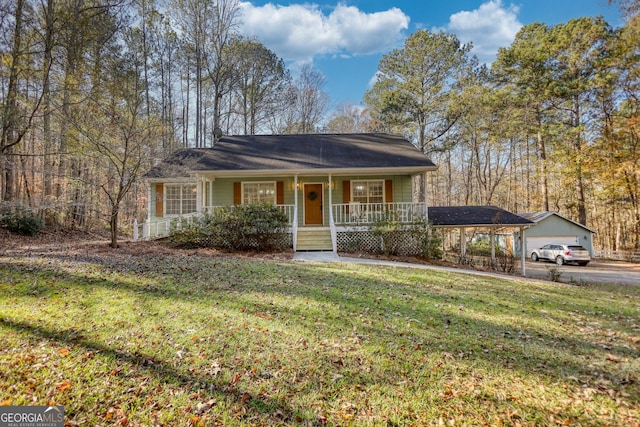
(551, 227)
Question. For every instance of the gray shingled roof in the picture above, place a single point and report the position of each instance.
(536, 216)
(294, 153)
(469, 216)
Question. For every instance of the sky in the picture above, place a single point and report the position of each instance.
(345, 40)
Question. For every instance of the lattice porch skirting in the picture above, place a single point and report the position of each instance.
(393, 243)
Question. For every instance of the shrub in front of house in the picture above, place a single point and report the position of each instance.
(415, 238)
(504, 260)
(245, 227)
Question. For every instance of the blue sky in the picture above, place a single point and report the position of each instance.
(346, 39)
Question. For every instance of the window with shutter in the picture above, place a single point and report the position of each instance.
(370, 191)
(180, 199)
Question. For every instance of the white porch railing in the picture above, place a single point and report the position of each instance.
(289, 211)
(341, 214)
(356, 213)
(162, 227)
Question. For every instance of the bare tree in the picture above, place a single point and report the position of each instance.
(348, 118)
(307, 101)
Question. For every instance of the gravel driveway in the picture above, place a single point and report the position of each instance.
(598, 271)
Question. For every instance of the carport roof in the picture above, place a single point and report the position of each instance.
(475, 216)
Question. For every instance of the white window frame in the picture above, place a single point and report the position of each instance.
(275, 191)
(354, 183)
(184, 189)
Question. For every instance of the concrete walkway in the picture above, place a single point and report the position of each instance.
(328, 256)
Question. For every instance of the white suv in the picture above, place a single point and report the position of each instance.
(562, 254)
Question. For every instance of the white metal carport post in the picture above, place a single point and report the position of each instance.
(522, 252)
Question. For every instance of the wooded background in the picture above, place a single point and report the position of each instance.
(93, 93)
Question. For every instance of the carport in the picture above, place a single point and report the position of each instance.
(490, 218)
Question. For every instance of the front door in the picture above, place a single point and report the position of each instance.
(313, 204)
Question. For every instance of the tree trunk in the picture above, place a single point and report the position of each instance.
(9, 115)
(113, 223)
(48, 158)
(542, 165)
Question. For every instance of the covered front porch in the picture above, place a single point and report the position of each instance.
(317, 207)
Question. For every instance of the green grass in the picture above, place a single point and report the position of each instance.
(189, 339)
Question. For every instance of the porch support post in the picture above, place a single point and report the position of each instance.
(135, 230)
(332, 226)
(330, 200)
(199, 195)
(295, 197)
(294, 226)
(426, 208)
(493, 244)
(149, 201)
(211, 180)
(523, 252)
(463, 243)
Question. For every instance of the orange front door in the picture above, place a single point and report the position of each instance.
(313, 204)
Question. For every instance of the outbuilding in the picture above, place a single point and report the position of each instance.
(551, 227)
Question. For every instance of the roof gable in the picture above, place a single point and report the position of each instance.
(295, 153)
(541, 216)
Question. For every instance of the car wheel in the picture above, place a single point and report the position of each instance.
(534, 257)
(560, 260)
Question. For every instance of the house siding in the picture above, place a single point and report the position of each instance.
(401, 185)
(557, 226)
(220, 192)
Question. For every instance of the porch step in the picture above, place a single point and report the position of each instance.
(314, 239)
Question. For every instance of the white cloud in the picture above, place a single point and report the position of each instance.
(301, 31)
(489, 27)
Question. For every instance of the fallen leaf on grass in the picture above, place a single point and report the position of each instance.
(63, 352)
(64, 385)
(235, 379)
(204, 407)
(612, 358)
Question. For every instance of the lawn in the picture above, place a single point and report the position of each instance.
(140, 337)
